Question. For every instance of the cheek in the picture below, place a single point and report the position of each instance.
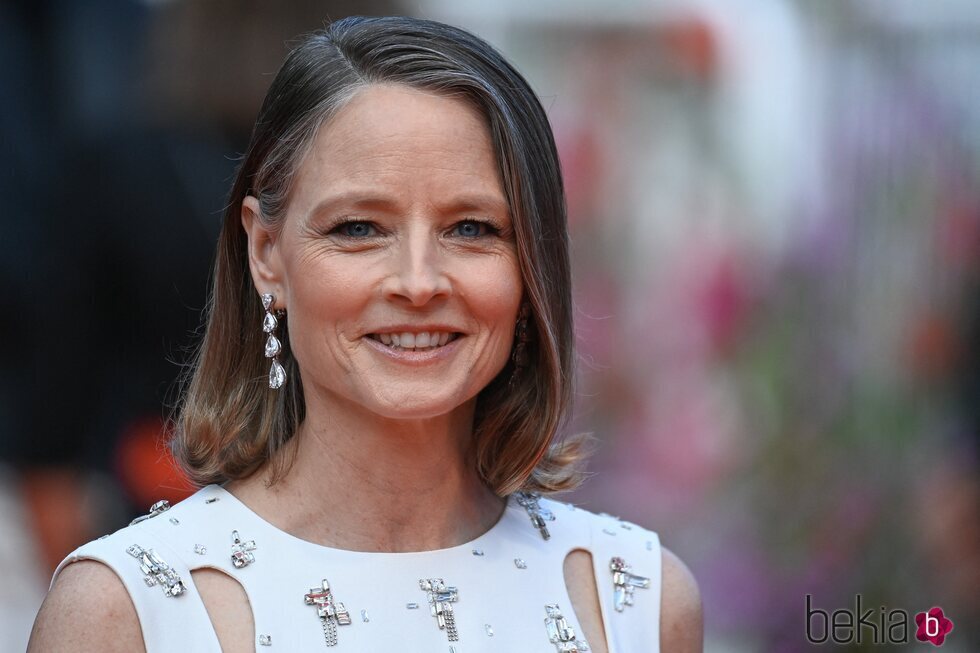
(325, 285)
(496, 298)
(322, 299)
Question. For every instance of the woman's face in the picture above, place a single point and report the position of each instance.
(396, 262)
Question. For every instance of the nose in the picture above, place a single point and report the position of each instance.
(418, 272)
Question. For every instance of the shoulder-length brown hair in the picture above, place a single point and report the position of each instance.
(229, 422)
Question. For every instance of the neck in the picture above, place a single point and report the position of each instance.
(363, 482)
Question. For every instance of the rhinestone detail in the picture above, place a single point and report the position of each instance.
(156, 509)
(560, 633)
(530, 501)
(624, 582)
(332, 613)
(241, 552)
(156, 571)
(441, 598)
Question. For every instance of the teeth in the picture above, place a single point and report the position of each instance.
(416, 341)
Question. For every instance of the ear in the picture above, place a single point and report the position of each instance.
(263, 255)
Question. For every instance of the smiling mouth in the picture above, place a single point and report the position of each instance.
(424, 341)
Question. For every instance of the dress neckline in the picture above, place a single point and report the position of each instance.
(217, 491)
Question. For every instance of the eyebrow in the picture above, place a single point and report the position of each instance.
(381, 201)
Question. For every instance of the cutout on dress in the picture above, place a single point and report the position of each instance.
(228, 607)
(583, 590)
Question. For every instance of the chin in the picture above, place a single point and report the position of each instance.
(409, 406)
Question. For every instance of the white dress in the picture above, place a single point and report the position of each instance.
(505, 580)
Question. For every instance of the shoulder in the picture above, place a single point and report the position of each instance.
(681, 614)
(67, 621)
(90, 605)
(679, 609)
(604, 533)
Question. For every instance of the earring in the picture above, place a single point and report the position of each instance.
(277, 375)
(521, 337)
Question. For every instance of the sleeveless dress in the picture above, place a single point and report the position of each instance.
(503, 591)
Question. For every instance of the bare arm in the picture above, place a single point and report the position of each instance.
(87, 610)
(681, 614)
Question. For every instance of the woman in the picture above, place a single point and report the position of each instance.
(395, 255)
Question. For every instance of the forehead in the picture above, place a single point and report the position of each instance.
(396, 138)
(391, 111)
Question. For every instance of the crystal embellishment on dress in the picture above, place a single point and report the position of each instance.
(211, 500)
(478, 552)
(441, 598)
(624, 582)
(331, 613)
(560, 633)
(519, 563)
(200, 549)
(156, 571)
(364, 616)
(412, 606)
(157, 508)
(265, 640)
(608, 531)
(489, 629)
(241, 552)
(530, 501)
(175, 521)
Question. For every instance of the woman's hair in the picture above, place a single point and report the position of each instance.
(229, 421)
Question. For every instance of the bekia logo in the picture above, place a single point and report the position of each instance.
(845, 627)
(933, 626)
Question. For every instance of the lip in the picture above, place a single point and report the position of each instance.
(415, 357)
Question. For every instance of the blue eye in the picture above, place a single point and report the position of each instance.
(355, 229)
(473, 229)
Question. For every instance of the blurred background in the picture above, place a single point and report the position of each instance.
(775, 216)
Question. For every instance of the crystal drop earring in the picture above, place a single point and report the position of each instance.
(277, 375)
